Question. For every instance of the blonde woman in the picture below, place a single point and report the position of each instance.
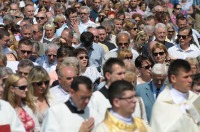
(49, 28)
(38, 83)
(16, 93)
(125, 54)
(140, 40)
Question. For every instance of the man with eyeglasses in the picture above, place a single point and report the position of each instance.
(123, 42)
(73, 115)
(149, 91)
(85, 20)
(49, 60)
(24, 67)
(184, 48)
(119, 118)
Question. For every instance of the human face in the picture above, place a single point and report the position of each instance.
(118, 25)
(68, 74)
(177, 10)
(143, 7)
(52, 54)
(4, 41)
(49, 31)
(24, 51)
(83, 59)
(29, 11)
(1, 89)
(133, 3)
(123, 42)
(182, 81)
(96, 4)
(16, 89)
(196, 88)
(40, 87)
(41, 18)
(151, 22)
(24, 71)
(170, 33)
(182, 23)
(159, 55)
(193, 69)
(102, 35)
(161, 34)
(84, 14)
(81, 97)
(46, 3)
(37, 35)
(27, 33)
(96, 35)
(73, 17)
(61, 22)
(66, 36)
(184, 38)
(127, 103)
(158, 80)
(118, 73)
(145, 68)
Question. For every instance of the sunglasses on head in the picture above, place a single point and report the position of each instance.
(147, 67)
(158, 53)
(42, 18)
(21, 87)
(83, 57)
(26, 51)
(40, 83)
(182, 36)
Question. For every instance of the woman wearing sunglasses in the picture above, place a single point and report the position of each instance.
(86, 70)
(160, 54)
(16, 93)
(144, 66)
(38, 83)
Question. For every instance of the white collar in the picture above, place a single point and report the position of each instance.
(125, 120)
(179, 97)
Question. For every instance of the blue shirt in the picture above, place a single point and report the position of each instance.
(95, 53)
(196, 2)
(154, 89)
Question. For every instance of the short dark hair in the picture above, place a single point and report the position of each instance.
(186, 28)
(176, 66)
(87, 37)
(25, 63)
(180, 17)
(107, 67)
(64, 51)
(101, 27)
(25, 41)
(79, 51)
(81, 80)
(4, 32)
(70, 11)
(139, 60)
(117, 88)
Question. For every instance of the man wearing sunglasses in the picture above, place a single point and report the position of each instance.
(149, 91)
(73, 115)
(184, 48)
(41, 18)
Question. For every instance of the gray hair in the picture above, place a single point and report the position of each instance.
(4, 71)
(8, 17)
(160, 25)
(70, 62)
(26, 26)
(51, 46)
(121, 34)
(159, 69)
(149, 29)
(156, 7)
(85, 7)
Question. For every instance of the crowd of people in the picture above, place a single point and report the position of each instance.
(100, 65)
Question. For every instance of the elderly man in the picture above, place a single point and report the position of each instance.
(74, 115)
(177, 108)
(184, 49)
(85, 20)
(149, 91)
(119, 118)
(66, 71)
(49, 61)
(123, 42)
(26, 31)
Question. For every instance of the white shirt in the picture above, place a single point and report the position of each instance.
(8, 116)
(84, 26)
(59, 94)
(179, 53)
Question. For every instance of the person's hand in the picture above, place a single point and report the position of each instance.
(74, 25)
(87, 125)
